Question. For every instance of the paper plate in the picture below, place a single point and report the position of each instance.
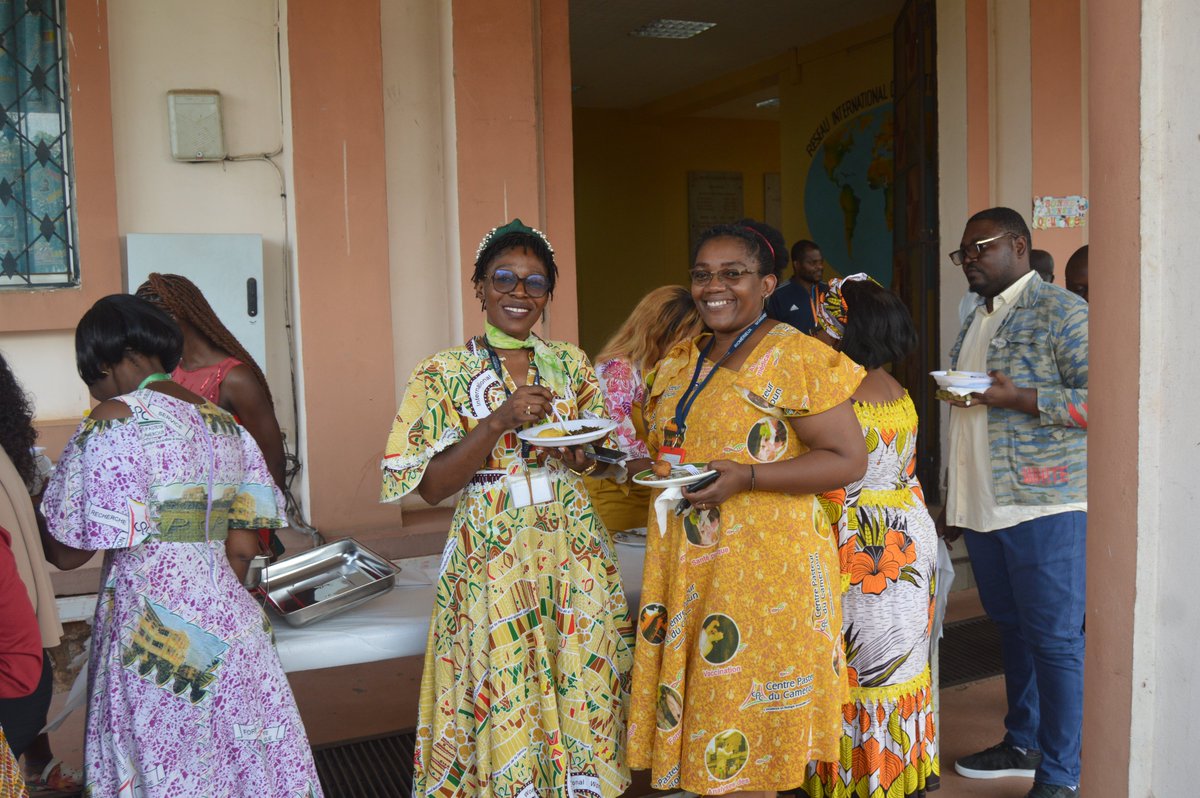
(684, 474)
(570, 434)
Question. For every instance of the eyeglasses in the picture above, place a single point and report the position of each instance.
(536, 285)
(726, 276)
(974, 249)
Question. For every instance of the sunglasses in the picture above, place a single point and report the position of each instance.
(726, 276)
(536, 285)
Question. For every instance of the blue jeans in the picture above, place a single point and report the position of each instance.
(1031, 581)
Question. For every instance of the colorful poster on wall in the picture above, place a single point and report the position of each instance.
(848, 193)
(1052, 212)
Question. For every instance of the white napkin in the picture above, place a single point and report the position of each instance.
(664, 504)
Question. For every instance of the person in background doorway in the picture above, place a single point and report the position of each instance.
(23, 718)
(1076, 276)
(187, 695)
(1017, 493)
(888, 548)
(795, 302)
(526, 671)
(662, 319)
(1042, 262)
(216, 366)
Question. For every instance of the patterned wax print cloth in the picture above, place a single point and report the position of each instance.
(527, 664)
(888, 554)
(187, 694)
(11, 783)
(622, 506)
(739, 671)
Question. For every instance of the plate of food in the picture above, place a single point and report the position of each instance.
(664, 475)
(571, 432)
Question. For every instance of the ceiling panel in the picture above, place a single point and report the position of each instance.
(611, 69)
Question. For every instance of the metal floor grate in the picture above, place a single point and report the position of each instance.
(969, 651)
(379, 767)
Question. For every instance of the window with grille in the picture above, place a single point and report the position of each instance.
(37, 230)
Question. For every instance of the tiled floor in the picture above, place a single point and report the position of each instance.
(366, 700)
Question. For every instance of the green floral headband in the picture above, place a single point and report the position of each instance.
(515, 226)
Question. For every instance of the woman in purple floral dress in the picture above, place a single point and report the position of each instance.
(187, 695)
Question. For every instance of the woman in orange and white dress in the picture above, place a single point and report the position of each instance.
(888, 554)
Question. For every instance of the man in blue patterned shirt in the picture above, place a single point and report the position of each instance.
(1017, 491)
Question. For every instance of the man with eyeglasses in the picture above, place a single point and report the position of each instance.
(795, 302)
(1017, 493)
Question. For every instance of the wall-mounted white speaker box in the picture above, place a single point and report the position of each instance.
(194, 116)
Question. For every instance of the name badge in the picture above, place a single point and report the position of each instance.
(529, 486)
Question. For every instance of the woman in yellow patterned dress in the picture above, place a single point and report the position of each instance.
(527, 663)
(888, 550)
(739, 674)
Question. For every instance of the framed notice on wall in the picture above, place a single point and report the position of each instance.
(713, 198)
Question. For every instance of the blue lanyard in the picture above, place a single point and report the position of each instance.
(697, 385)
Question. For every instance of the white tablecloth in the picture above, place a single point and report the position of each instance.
(397, 624)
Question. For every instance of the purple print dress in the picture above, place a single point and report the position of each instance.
(187, 696)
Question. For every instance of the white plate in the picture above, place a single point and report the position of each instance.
(598, 428)
(962, 379)
(630, 539)
(684, 474)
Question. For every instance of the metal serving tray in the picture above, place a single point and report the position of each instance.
(325, 581)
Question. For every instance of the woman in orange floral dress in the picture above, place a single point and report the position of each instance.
(888, 550)
(739, 673)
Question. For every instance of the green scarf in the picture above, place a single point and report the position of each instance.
(549, 367)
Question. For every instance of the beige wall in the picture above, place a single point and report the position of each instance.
(227, 45)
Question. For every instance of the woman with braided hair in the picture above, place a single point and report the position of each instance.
(216, 366)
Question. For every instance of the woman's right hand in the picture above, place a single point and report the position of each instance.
(529, 403)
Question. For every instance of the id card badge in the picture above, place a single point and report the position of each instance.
(529, 485)
(673, 455)
(672, 449)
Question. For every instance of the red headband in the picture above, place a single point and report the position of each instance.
(765, 241)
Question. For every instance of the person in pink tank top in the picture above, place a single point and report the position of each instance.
(216, 366)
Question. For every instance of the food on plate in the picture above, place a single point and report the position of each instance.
(661, 469)
(559, 432)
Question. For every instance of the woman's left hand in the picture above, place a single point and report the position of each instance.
(734, 478)
(573, 457)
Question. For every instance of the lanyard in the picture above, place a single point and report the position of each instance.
(498, 367)
(697, 385)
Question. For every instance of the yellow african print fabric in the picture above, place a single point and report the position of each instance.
(11, 783)
(527, 664)
(739, 671)
(888, 553)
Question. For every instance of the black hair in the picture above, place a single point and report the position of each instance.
(532, 242)
(17, 434)
(122, 323)
(1007, 220)
(879, 328)
(1042, 262)
(764, 243)
(802, 246)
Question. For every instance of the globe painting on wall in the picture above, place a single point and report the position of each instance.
(848, 195)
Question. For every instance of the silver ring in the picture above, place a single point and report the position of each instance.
(529, 410)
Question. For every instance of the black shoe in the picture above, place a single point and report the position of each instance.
(1044, 790)
(1000, 761)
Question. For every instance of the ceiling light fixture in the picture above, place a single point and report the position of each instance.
(672, 29)
(771, 103)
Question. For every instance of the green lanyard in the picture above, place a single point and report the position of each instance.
(157, 376)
